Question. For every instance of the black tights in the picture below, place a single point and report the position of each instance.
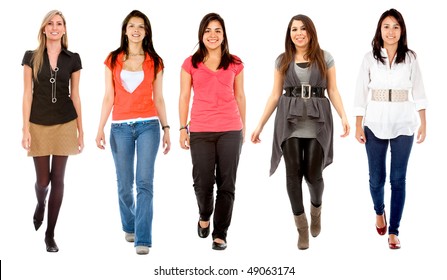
(303, 158)
(55, 176)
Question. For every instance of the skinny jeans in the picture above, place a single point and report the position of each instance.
(376, 150)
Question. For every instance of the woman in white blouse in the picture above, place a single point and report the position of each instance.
(389, 97)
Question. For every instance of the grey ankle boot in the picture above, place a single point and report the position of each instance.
(315, 220)
(303, 231)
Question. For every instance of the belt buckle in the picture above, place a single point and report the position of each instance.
(305, 91)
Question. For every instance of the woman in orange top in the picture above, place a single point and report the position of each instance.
(134, 75)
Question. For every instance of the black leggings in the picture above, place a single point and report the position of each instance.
(303, 157)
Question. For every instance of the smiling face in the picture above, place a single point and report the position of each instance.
(390, 31)
(213, 35)
(298, 34)
(55, 28)
(135, 30)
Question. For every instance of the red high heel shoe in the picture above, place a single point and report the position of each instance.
(382, 230)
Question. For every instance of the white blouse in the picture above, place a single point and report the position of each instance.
(386, 119)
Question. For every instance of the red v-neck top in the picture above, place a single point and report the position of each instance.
(139, 103)
(214, 107)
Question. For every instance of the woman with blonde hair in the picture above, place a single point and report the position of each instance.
(52, 119)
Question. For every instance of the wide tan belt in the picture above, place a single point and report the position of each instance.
(390, 95)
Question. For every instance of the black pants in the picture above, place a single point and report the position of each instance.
(303, 158)
(215, 159)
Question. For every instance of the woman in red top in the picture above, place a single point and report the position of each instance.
(217, 126)
(134, 75)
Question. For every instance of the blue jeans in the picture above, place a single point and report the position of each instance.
(376, 149)
(144, 139)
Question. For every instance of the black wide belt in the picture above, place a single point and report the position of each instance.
(305, 91)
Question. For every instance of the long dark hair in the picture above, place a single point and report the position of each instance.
(402, 47)
(148, 46)
(314, 52)
(202, 52)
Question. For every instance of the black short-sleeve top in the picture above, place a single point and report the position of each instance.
(51, 91)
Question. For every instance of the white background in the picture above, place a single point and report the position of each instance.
(262, 233)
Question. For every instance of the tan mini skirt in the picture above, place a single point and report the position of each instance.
(59, 139)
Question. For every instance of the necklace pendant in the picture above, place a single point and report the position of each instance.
(53, 84)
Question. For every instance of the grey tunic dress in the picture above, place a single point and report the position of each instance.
(290, 112)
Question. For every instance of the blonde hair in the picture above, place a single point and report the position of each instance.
(37, 59)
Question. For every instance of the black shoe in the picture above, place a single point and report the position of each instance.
(51, 245)
(219, 246)
(38, 215)
(203, 232)
(37, 223)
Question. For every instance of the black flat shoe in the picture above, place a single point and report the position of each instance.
(203, 232)
(38, 216)
(51, 245)
(37, 224)
(219, 246)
